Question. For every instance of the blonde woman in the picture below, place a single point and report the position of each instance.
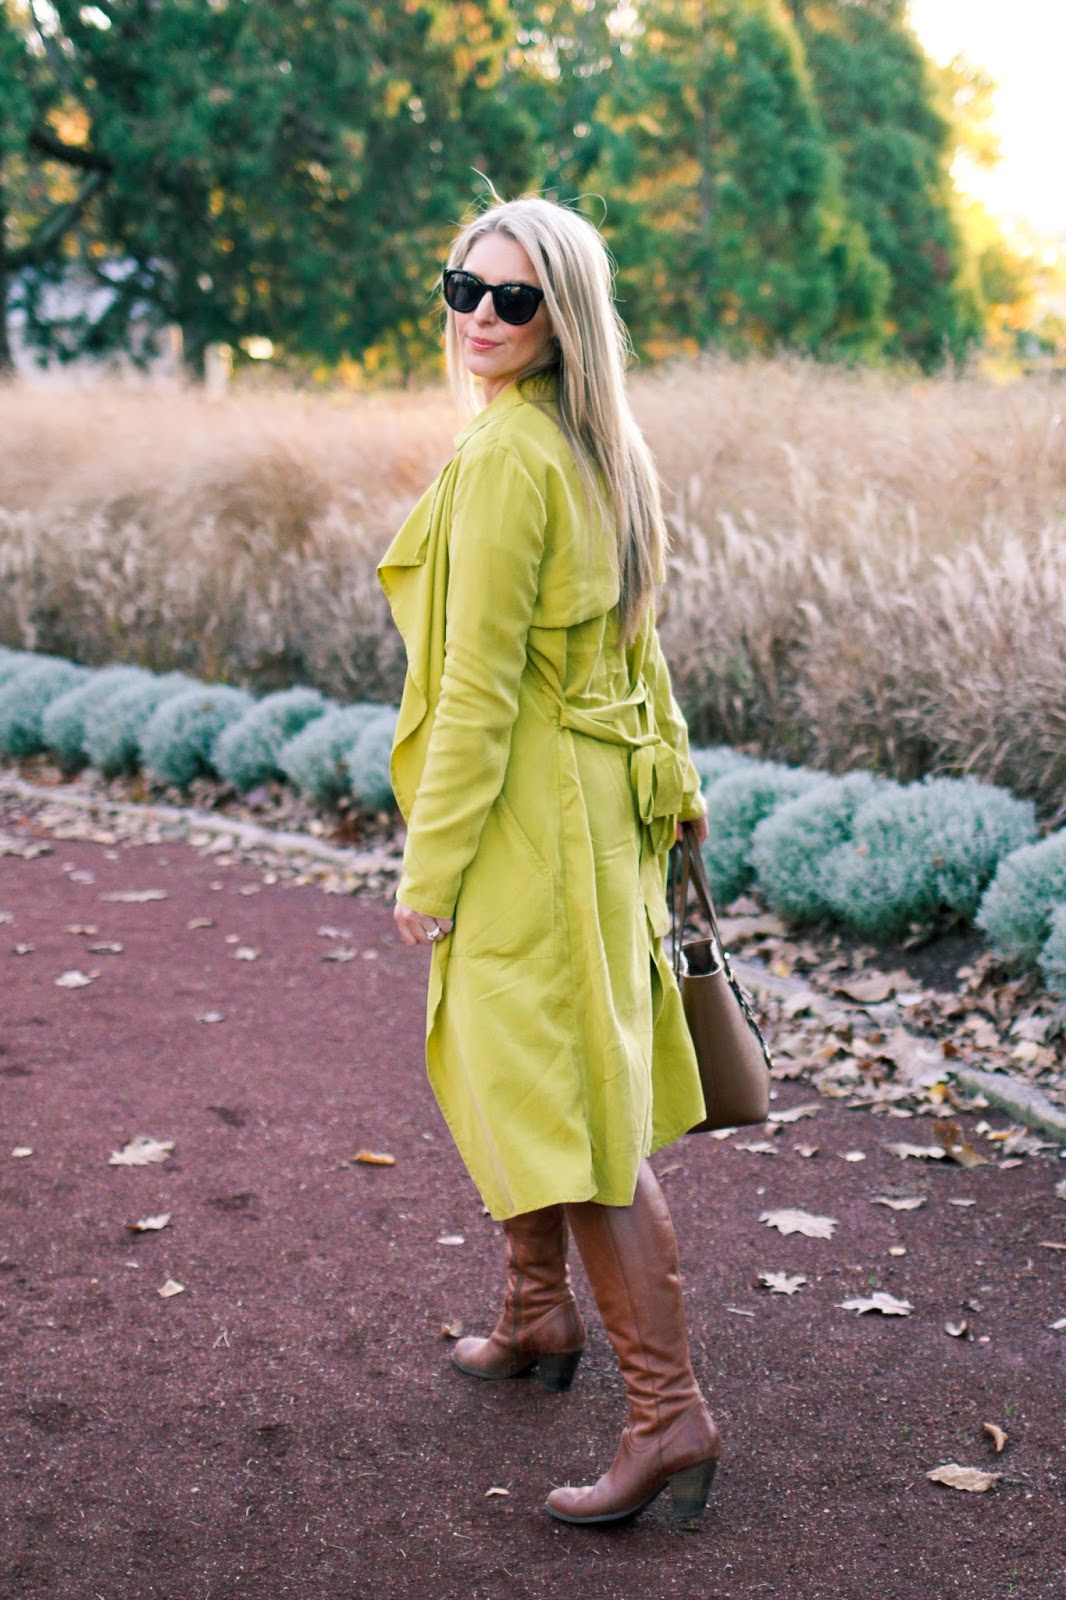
(542, 766)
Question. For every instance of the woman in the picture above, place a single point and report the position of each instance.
(542, 766)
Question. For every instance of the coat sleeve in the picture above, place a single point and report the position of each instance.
(495, 550)
(671, 724)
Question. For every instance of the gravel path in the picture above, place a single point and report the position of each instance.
(288, 1426)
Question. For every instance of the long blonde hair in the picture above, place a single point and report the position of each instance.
(590, 351)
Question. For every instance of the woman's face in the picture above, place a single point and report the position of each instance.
(495, 351)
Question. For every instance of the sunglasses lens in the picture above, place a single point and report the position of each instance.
(515, 303)
(463, 291)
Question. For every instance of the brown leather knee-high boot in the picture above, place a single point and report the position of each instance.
(630, 1256)
(540, 1326)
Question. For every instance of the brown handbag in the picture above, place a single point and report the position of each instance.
(734, 1062)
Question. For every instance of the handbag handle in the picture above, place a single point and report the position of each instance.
(692, 869)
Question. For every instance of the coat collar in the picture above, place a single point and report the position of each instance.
(539, 386)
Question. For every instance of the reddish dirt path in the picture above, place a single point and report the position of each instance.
(290, 1427)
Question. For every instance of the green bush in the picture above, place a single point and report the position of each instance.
(12, 662)
(368, 762)
(246, 753)
(715, 761)
(65, 720)
(1016, 909)
(113, 730)
(177, 743)
(789, 847)
(25, 698)
(315, 759)
(1053, 955)
(736, 804)
(919, 851)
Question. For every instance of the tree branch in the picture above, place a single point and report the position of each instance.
(52, 229)
(47, 143)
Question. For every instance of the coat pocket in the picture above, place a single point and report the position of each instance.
(506, 904)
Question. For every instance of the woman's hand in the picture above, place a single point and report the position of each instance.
(701, 826)
(415, 928)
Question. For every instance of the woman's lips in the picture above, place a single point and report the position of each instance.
(482, 344)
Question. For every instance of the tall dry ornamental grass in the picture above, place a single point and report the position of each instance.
(866, 571)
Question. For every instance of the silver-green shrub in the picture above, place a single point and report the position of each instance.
(246, 753)
(315, 759)
(177, 743)
(1053, 955)
(714, 761)
(25, 698)
(789, 847)
(368, 762)
(65, 720)
(113, 730)
(736, 804)
(922, 850)
(1016, 909)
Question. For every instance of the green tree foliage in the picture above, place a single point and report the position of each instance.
(287, 170)
(884, 107)
(724, 202)
(48, 173)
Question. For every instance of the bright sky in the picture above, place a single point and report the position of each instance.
(1022, 45)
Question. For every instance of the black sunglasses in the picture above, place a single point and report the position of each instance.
(513, 302)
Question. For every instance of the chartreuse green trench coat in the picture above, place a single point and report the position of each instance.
(541, 769)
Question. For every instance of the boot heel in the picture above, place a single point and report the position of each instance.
(557, 1372)
(689, 1490)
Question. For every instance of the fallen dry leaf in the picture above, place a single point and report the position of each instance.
(951, 1139)
(134, 897)
(806, 1150)
(199, 922)
(870, 990)
(451, 1330)
(150, 1224)
(109, 947)
(22, 1150)
(489, 1493)
(210, 1016)
(909, 1202)
(1060, 1189)
(959, 1201)
(1057, 1327)
(246, 952)
(781, 1283)
(723, 1133)
(374, 1158)
(919, 1152)
(854, 1155)
(957, 1330)
(75, 979)
(81, 927)
(334, 933)
(794, 1114)
(23, 950)
(171, 1287)
(997, 1436)
(141, 1151)
(897, 1249)
(341, 953)
(451, 1238)
(971, 1478)
(887, 1304)
(759, 1147)
(791, 1220)
(1052, 1244)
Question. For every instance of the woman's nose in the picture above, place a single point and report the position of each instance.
(485, 311)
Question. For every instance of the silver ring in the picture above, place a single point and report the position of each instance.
(436, 932)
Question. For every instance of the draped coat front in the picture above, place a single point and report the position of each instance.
(540, 769)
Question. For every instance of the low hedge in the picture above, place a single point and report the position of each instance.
(878, 856)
